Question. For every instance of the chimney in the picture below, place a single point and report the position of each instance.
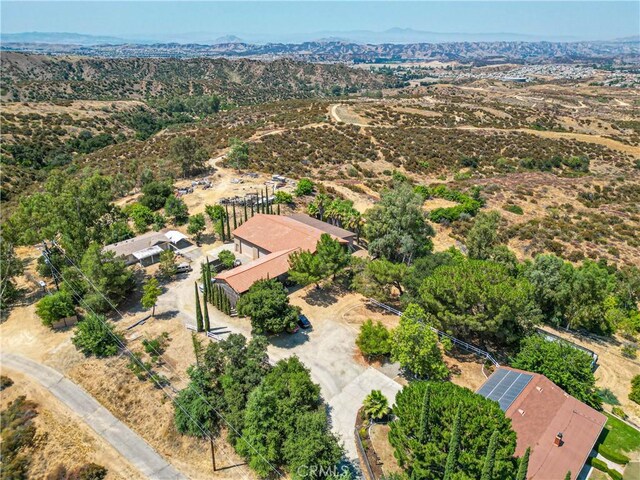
(558, 440)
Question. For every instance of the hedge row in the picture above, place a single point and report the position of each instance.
(613, 456)
(602, 466)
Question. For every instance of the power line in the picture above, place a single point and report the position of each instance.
(190, 384)
(206, 434)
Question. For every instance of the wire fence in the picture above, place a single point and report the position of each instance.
(454, 340)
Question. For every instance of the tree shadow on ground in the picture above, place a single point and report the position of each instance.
(167, 315)
(325, 296)
(289, 340)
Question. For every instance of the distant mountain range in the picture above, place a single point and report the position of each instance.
(332, 50)
(392, 35)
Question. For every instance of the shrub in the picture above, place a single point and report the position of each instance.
(629, 351)
(613, 456)
(5, 382)
(94, 336)
(619, 412)
(635, 389)
(598, 464)
(283, 197)
(54, 307)
(373, 340)
(615, 475)
(226, 258)
(305, 187)
(513, 209)
(608, 396)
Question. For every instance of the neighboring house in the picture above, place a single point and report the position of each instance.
(560, 430)
(269, 240)
(145, 249)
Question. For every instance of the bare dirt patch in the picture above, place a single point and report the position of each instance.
(379, 436)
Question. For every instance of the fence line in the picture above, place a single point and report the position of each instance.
(465, 345)
(363, 454)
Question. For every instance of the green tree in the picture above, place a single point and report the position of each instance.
(395, 227)
(551, 278)
(141, 215)
(282, 197)
(109, 279)
(188, 152)
(483, 236)
(304, 187)
(54, 307)
(332, 254)
(199, 325)
(380, 279)
(155, 194)
(227, 258)
(10, 267)
(373, 339)
(563, 364)
(591, 287)
(480, 301)
(450, 467)
(267, 303)
(238, 156)
(168, 267)
(150, 293)
(286, 424)
(490, 458)
(205, 311)
(415, 346)
(423, 429)
(176, 209)
(196, 226)
(94, 336)
(479, 418)
(376, 405)
(523, 466)
(306, 268)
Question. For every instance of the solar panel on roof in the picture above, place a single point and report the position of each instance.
(504, 386)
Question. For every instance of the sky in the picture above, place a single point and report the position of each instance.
(579, 20)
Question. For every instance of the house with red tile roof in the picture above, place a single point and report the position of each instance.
(269, 240)
(560, 430)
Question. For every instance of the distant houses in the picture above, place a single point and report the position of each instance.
(560, 430)
(269, 240)
(145, 249)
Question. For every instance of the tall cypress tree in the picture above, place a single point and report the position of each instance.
(524, 466)
(235, 222)
(222, 229)
(266, 196)
(198, 310)
(228, 224)
(278, 207)
(490, 459)
(252, 207)
(423, 434)
(568, 475)
(205, 311)
(245, 210)
(454, 447)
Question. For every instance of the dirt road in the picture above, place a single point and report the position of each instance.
(126, 442)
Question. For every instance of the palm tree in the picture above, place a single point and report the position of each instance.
(376, 405)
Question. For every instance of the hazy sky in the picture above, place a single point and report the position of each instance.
(594, 20)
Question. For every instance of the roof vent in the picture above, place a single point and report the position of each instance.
(521, 412)
(558, 441)
(539, 389)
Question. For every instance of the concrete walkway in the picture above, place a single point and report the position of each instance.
(129, 444)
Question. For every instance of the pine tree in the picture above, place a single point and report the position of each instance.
(235, 222)
(423, 435)
(198, 310)
(454, 447)
(205, 311)
(524, 466)
(490, 459)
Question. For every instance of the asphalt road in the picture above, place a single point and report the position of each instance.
(129, 444)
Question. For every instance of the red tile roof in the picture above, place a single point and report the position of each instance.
(275, 233)
(269, 266)
(542, 411)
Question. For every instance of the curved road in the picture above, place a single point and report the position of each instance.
(129, 444)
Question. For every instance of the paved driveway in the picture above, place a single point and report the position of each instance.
(124, 440)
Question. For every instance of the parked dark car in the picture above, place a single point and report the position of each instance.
(303, 321)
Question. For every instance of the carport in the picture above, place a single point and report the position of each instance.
(148, 256)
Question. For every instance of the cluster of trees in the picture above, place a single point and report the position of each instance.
(337, 212)
(413, 344)
(18, 434)
(267, 304)
(445, 431)
(274, 416)
(467, 204)
(330, 258)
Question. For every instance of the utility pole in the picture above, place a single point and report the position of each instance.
(47, 256)
(213, 453)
